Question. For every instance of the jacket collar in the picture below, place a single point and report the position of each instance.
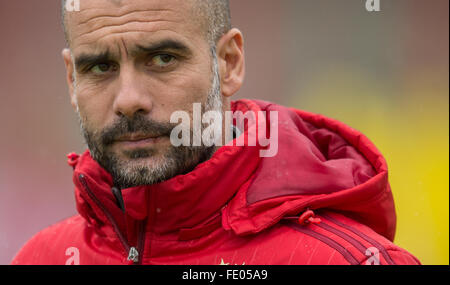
(181, 203)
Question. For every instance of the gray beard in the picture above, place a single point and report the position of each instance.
(175, 161)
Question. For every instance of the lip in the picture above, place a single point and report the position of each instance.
(137, 140)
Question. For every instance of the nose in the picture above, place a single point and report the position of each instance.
(132, 96)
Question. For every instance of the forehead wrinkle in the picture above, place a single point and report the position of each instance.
(112, 16)
(117, 29)
(124, 24)
(98, 22)
(99, 15)
(89, 44)
(124, 45)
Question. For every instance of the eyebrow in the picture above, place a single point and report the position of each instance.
(164, 45)
(85, 59)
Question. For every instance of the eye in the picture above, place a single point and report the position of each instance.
(163, 60)
(102, 68)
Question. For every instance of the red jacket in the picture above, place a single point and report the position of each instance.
(324, 199)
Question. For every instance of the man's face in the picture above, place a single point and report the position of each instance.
(134, 64)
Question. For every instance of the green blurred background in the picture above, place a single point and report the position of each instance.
(384, 73)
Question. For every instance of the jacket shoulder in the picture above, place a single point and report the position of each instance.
(50, 245)
(338, 239)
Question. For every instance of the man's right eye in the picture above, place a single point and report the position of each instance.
(102, 68)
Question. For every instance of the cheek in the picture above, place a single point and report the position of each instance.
(181, 88)
(93, 106)
(181, 91)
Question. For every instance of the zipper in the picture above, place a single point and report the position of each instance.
(132, 251)
(135, 253)
(141, 242)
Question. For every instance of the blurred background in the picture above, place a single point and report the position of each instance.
(384, 73)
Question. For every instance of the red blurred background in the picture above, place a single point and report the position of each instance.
(384, 73)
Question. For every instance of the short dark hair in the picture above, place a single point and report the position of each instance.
(214, 15)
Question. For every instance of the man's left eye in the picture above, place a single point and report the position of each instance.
(163, 60)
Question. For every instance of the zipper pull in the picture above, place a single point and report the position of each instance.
(133, 255)
(119, 198)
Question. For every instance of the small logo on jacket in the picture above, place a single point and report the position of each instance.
(74, 254)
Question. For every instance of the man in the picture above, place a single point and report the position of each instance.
(322, 197)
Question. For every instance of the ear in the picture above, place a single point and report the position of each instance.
(230, 52)
(70, 76)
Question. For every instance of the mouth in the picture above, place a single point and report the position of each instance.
(138, 140)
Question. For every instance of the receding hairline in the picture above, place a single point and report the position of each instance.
(214, 16)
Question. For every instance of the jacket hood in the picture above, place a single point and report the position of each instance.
(321, 164)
